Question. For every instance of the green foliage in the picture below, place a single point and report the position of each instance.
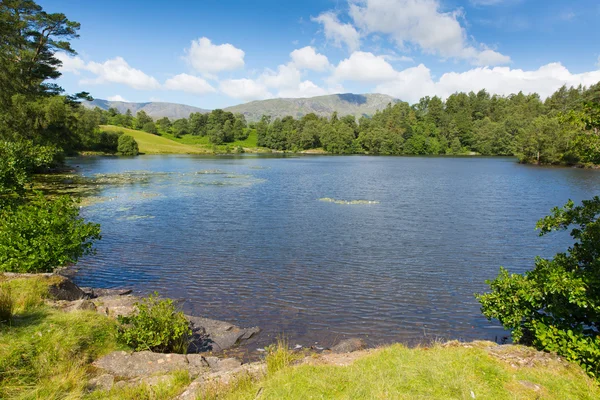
(157, 326)
(18, 161)
(150, 127)
(556, 306)
(43, 234)
(127, 146)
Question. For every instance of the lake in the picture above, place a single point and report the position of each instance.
(320, 248)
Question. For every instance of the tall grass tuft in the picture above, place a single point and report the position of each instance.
(7, 304)
(279, 356)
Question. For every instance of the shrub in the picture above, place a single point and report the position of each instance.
(556, 306)
(279, 355)
(108, 142)
(7, 304)
(42, 234)
(157, 326)
(128, 146)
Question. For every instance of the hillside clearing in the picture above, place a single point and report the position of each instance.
(154, 144)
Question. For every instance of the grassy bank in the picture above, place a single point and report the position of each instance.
(47, 354)
(440, 372)
(188, 144)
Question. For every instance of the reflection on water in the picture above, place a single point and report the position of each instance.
(261, 241)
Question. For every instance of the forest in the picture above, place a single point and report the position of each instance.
(562, 129)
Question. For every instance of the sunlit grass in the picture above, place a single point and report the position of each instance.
(397, 372)
(154, 144)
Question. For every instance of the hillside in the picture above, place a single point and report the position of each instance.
(153, 144)
(154, 109)
(345, 104)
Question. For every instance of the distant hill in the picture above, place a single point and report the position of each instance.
(153, 109)
(345, 104)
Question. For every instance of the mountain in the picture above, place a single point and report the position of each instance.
(153, 109)
(345, 104)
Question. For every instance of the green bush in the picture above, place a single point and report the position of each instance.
(150, 127)
(556, 306)
(19, 160)
(42, 234)
(157, 326)
(128, 146)
(107, 142)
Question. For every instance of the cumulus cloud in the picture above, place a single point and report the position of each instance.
(70, 63)
(189, 83)
(421, 23)
(308, 58)
(303, 89)
(337, 32)
(116, 97)
(364, 67)
(413, 83)
(209, 58)
(118, 71)
(245, 89)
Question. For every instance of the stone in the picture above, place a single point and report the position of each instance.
(102, 382)
(349, 345)
(531, 385)
(213, 335)
(64, 289)
(214, 363)
(145, 363)
(95, 293)
(196, 388)
(114, 306)
(79, 305)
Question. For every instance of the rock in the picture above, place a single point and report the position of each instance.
(79, 305)
(213, 335)
(220, 378)
(114, 306)
(95, 293)
(145, 363)
(214, 363)
(531, 385)
(64, 289)
(349, 345)
(102, 382)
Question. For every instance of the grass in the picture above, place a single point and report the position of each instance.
(154, 144)
(7, 304)
(168, 389)
(397, 372)
(169, 144)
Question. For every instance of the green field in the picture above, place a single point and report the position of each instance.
(188, 144)
(154, 144)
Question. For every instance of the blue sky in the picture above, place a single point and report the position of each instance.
(220, 53)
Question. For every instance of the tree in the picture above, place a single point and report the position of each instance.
(239, 132)
(30, 40)
(142, 119)
(556, 306)
(164, 124)
(180, 127)
(150, 127)
(128, 146)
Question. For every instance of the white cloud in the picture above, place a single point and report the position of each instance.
(287, 75)
(364, 67)
(118, 71)
(209, 58)
(338, 32)
(421, 23)
(70, 63)
(303, 89)
(189, 83)
(245, 89)
(116, 97)
(413, 83)
(308, 58)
